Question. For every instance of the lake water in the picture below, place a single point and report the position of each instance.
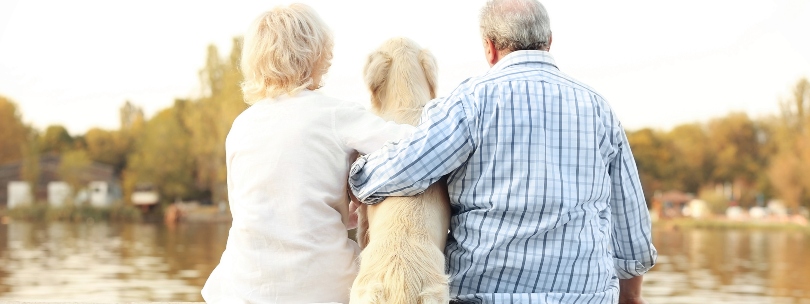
(153, 262)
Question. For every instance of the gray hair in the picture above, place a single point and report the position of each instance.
(516, 25)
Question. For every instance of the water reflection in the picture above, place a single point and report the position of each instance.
(729, 266)
(103, 262)
(152, 262)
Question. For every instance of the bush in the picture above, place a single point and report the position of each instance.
(118, 212)
(28, 212)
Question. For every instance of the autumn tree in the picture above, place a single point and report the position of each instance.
(209, 118)
(55, 139)
(653, 157)
(693, 162)
(71, 167)
(30, 171)
(131, 116)
(13, 133)
(788, 168)
(736, 145)
(108, 147)
(161, 157)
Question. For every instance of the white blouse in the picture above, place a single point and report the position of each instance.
(288, 162)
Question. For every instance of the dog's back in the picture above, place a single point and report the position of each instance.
(404, 237)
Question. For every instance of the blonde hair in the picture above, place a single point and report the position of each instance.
(285, 50)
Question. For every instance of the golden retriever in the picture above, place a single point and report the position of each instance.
(403, 238)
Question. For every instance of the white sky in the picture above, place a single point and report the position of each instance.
(659, 63)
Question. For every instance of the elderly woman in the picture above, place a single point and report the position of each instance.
(288, 158)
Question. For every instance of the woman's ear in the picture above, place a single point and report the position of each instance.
(431, 70)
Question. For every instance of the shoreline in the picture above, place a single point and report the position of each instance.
(725, 223)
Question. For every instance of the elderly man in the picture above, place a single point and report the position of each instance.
(547, 206)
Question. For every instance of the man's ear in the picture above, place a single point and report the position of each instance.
(548, 46)
(490, 52)
(375, 74)
(431, 70)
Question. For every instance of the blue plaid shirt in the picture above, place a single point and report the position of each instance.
(546, 201)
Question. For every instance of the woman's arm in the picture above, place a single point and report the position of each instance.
(361, 130)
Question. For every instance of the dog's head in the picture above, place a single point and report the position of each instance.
(400, 74)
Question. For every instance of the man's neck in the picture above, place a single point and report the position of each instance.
(500, 54)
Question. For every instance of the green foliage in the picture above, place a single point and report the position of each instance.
(73, 164)
(161, 157)
(29, 212)
(108, 147)
(693, 163)
(55, 139)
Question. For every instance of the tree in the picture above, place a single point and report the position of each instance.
(72, 166)
(161, 157)
(652, 159)
(788, 169)
(209, 118)
(108, 147)
(13, 133)
(692, 161)
(30, 170)
(131, 116)
(55, 139)
(734, 140)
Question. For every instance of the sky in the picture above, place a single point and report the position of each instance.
(658, 63)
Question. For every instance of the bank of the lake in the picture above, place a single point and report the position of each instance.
(724, 223)
(40, 212)
(118, 213)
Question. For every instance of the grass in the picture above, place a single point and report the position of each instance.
(72, 213)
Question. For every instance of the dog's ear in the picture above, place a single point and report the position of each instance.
(431, 70)
(376, 70)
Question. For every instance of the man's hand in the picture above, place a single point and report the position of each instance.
(630, 291)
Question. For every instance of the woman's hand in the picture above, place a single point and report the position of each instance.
(353, 205)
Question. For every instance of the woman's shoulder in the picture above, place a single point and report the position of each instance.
(330, 101)
(306, 105)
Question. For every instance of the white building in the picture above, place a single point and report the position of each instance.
(58, 193)
(19, 193)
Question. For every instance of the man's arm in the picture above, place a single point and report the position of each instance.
(441, 143)
(634, 253)
(630, 291)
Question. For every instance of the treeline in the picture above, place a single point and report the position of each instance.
(180, 150)
(756, 159)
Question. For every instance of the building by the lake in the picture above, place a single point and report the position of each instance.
(100, 186)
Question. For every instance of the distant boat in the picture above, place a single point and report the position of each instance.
(145, 196)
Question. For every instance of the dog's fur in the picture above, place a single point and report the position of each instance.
(403, 237)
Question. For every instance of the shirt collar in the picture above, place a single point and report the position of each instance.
(522, 57)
